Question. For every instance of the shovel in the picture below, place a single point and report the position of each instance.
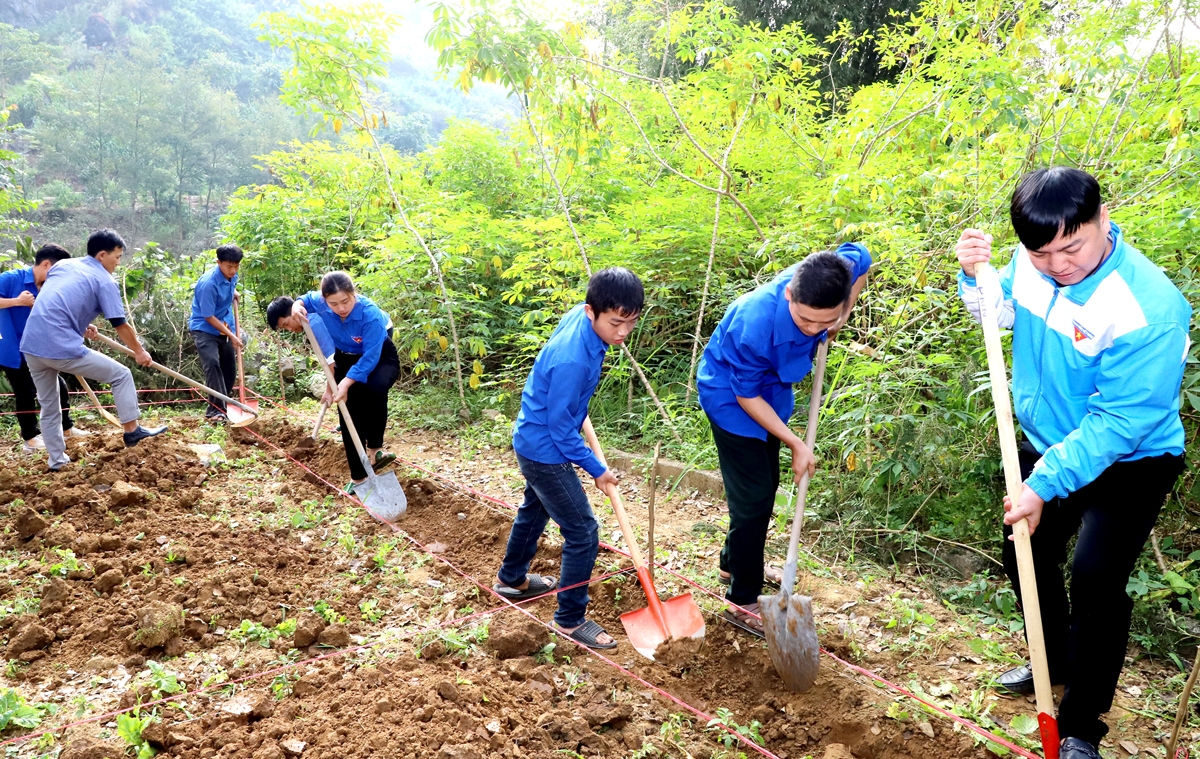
(237, 417)
(96, 402)
(250, 417)
(309, 443)
(787, 617)
(648, 628)
(384, 497)
(990, 293)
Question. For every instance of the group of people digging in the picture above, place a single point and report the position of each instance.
(1100, 336)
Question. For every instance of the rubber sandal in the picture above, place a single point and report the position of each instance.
(731, 617)
(586, 634)
(382, 460)
(766, 579)
(538, 586)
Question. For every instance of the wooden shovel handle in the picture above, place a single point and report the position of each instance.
(237, 326)
(176, 375)
(989, 283)
(96, 401)
(316, 346)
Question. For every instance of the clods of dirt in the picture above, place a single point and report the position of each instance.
(511, 636)
(678, 653)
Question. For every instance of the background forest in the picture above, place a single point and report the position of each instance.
(706, 145)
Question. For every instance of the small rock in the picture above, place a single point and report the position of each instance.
(1130, 747)
(926, 728)
(308, 628)
(293, 747)
(158, 622)
(448, 691)
(437, 547)
(491, 413)
(29, 523)
(335, 636)
(837, 751)
(31, 637)
(155, 734)
(124, 494)
(109, 580)
(100, 664)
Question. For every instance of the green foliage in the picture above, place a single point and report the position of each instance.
(163, 682)
(129, 727)
(250, 631)
(15, 710)
(723, 722)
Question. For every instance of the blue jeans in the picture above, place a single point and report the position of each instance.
(553, 491)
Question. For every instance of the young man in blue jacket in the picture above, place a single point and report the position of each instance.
(213, 328)
(74, 294)
(18, 290)
(1100, 337)
(764, 344)
(548, 444)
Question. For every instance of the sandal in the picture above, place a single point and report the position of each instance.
(587, 635)
(768, 580)
(744, 620)
(382, 460)
(538, 586)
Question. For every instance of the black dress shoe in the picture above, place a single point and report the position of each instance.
(1018, 680)
(1076, 748)
(141, 433)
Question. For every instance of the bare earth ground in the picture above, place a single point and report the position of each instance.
(141, 572)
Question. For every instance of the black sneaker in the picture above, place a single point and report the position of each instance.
(1077, 748)
(141, 433)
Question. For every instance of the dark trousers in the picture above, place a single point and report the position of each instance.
(553, 491)
(1086, 637)
(366, 402)
(750, 471)
(219, 360)
(25, 394)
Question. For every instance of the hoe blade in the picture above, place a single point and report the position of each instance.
(681, 615)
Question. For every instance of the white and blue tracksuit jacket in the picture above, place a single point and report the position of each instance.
(1097, 366)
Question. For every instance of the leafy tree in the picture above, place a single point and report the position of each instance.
(20, 56)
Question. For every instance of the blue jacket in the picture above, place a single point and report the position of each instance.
(12, 320)
(1097, 366)
(757, 350)
(556, 396)
(361, 333)
(213, 296)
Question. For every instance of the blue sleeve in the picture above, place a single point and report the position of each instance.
(206, 299)
(746, 367)
(109, 296)
(312, 301)
(321, 332)
(9, 279)
(374, 333)
(1137, 388)
(566, 390)
(858, 256)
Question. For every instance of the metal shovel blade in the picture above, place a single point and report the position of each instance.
(240, 417)
(384, 497)
(682, 618)
(791, 638)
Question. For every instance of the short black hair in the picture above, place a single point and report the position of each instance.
(336, 282)
(822, 280)
(616, 289)
(277, 309)
(1053, 200)
(50, 252)
(102, 241)
(230, 253)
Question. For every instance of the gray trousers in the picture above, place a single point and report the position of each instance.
(93, 366)
(219, 360)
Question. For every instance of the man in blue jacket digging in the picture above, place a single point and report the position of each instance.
(547, 441)
(1100, 337)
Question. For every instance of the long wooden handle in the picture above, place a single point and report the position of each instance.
(176, 375)
(810, 439)
(362, 452)
(635, 553)
(989, 286)
(320, 418)
(237, 326)
(96, 401)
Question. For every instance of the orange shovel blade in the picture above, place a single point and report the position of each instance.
(681, 615)
(238, 417)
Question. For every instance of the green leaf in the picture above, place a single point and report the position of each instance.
(1025, 723)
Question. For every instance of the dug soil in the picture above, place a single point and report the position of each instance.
(145, 556)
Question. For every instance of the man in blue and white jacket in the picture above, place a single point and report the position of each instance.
(1100, 337)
